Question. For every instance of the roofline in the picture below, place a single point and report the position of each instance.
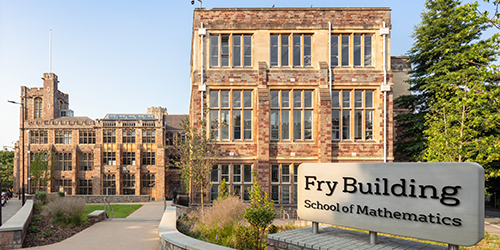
(299, 9)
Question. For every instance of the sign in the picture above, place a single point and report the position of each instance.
(442, 202)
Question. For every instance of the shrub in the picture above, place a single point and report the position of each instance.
(36, 218)
(61, 193)
(33, 229)
(66, 211)
(272, 229)
(41, 196)
(244, 238)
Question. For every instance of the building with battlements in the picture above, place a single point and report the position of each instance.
(120, 154)
(293, 85)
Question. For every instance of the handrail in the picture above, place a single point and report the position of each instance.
(108, 207)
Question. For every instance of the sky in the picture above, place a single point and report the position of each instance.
(123, 56)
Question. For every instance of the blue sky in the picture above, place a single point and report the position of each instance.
(124, 56)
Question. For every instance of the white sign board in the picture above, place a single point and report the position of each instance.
(442, 202)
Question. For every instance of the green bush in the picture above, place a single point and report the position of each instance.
(33, 229)
(245, 238)
(36, 218)
(41, 196)
(272, 229)
(66, 211)
(61, 193)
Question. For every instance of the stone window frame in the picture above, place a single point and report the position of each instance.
(109, 158)
(38, 136)
(64, 161)
(281, 187)
(86, 161)
(228, 171)
(109, 136)
(223, 114)
(128, 136)
(360, 112)
(128, 158)
(286, 107)
(67, 185)
(148, 180)
(148, 136)
(223, 54)
(148, 158)
(87, 136)
(128, 184)
(85, 187)
(346, 42)
(109, 184)
(63, 137)
(38, 107)
(296, 50)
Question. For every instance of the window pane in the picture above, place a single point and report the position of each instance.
(237, 190)
(285, 173)
(285, 99)
(224, 175)
(247, 173)
(274, 50)
(369, 125)
(308, 99)
(236, 173)
(285, 124)
(368, 99)
(275, 190)
(275, 171)
(275, 99)
(335, 125)
(357, 50)
(236, 124)
(346, 99)
(214, 99)
(214, 192)
(236, 51)
(297, 99)
(247, 50)
(247, 99)
(247, 124)
(285, 54)
(296, 50)
(307, 50)
(214, 126)
(285, 194)
(335, 99)
(368, 50)
(358, 124)
(295, 172)
(345, 50)
(346, 124)
(224, 51)
(236, 99)
(214, 51)
(335, 50)
(224, 97)
(297, 124)
(308, 124)
(214, 175)
(275, 127)
(224, 126)
(358, 99)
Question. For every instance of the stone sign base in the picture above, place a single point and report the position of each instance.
(334, 238)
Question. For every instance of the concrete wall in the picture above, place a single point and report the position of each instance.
(12, 233)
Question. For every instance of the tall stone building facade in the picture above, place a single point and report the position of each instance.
(120, 154)
(290, 86)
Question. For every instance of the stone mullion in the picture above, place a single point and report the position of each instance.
(263, 129)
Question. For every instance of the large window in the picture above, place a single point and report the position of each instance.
(238, 177)
(291, 114)
(64, 162)
(38, 137)
(87, 136)
(64, 185)
(128, 181)
(148, 158)
(109, 158)
(148, 136)
(86, 161)
(128, 137)
(63, 137)
(352, 114)
(85, 187)
(284, 183)
(38, 107)
(230, 49)
(286, 48)
(109, 184)
(351, 50)
(109, 136)
(128, 158)
(231, 114)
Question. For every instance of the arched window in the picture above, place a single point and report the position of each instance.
(38, 107)
(128, 184)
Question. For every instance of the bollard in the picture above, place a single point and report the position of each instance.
(373, 238)
(453, 247)
(315, 227)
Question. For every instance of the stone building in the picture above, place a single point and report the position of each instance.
(120, 154)
(293, 85)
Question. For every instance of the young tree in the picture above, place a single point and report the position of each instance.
(198, 154)
(7, 169)
(41, 168)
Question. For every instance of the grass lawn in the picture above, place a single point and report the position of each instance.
(120, 210)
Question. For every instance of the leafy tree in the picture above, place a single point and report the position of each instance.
(198, 154)
(41, 168)
(260, 214)
(7, 169)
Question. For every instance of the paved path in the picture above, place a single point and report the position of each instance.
(138, 231)
(492, 222)
(11, 208)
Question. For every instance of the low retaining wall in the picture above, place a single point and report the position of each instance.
(113, 198)
(13, 231)
(171, 239)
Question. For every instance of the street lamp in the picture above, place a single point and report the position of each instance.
(22, 148)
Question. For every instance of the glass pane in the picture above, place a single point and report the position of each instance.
(285, 124)
(236, 51)
(236, 124)
(369, 125)
(247, 173)
(237, 190)
(236, 173)
(275, 99)
(297, 99)
(368, 50)
(285, 99)
(307, 51)
(285, 195)
(308, 124)
(335, 99)
(224, 173)
(224, 126)
(297, 124)
(295, 172)
(345, 50)
(224, 97)
(214, 126)
(274, 50)
(214, 175)
(335, 50)
(246, 196)
(358, 124)
(214, 99)
(247, 124)
(224, 50)
(368, 99)
(357, 50)
(214, 51)
(275, 189)
(275, 171)
(247, 51)
(308, 99)
(236, 99)
(247, 99)
(296, 51)
(275, 127)
(358, 99)
(346, 99)
(285, 54)
(285, 173)
(346, 124)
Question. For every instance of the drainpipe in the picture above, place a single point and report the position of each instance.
(385, 87)
(202, 88)
(330, 57)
